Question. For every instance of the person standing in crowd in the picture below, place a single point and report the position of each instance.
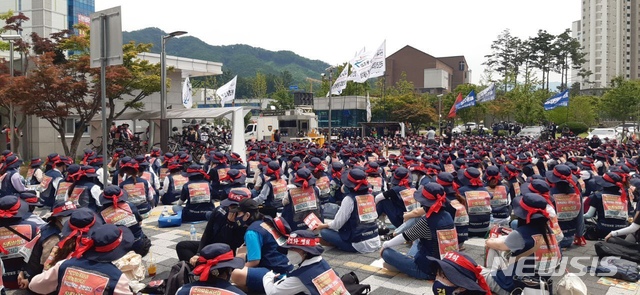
(276, 135)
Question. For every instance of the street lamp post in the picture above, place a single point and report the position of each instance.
(164, 124)
(440, 113)
(12, 39)
(330, 69)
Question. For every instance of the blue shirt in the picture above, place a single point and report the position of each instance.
(253, 241)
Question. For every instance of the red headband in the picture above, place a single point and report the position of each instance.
(468, 265)
(200, 171)
(620, 185)
(77, 233)
(204, 268)
(475, 181)
(67, 206)
(371, 170)
(569, 179)
(546, 196)
(358, 183)
(305, 182)
(493, 177)
(512, 174)
(276, 173)
(337, 174)
(237, 158)
(111, 246)
(531, 211)
(440, 199)
(114, 198)
(280, 225)
(11, 212)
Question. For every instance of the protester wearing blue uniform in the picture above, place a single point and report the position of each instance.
(478, 201)
(311, 274)
(302, 200)
(354, 228)
(117, 210)
(213, 267)
(51, 179)
(399, 199)
(274, 190)
(611, 206)
(568, 201)
(136, 187)
(457, 273)
(91, 266)
(263, 239)
(196, 195)
(435, 229)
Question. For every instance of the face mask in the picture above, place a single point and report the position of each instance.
(439, 288)
(294, 258)
(240, 221)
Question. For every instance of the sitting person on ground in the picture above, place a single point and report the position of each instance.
(394, 202)
(436, 231)
(196, 195)
(273, 191)
(117, 210)
(221, 228)
(263, 239)
(354, 228)
(91, 266)
(172, 183)
(302, 200)
(611, 205)
(311, 273)
(525, 244)
(457, 273)
(136, 187)
(214, 266)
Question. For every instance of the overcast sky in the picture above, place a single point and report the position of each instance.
(332, 30)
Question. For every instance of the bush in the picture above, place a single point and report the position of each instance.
(575, 127)
(502, 133)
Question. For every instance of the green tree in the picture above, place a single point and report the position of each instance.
(580, 109)
(259, 86)
(622, 100)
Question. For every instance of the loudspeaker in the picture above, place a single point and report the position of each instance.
(303, 98)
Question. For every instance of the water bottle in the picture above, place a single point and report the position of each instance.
(194, 233)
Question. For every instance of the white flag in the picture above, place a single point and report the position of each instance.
(378, 63)
(361, 65)
(187, 100)
(368, 108)
(341, 81)
(227, 92)
(488, 94)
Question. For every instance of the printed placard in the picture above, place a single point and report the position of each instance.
(553, 222)
(567, 206)
(462, 217)
(303, 199)
(12, 242)
(179, 181)
(146, 176)
(280, 239)
(449, 168)
(328, 283)
(366, 208)
(201, 290)
(372, 158)
(136, 193)
(46, 180)
(61, 192)
(279, 189)
(199, 193)
(614, 207)
(75, 194)
(479, 202)
(546, 258)
(26, 250)
(500, 196)
(123, 215)
(376, 183)
(312, 221)
(323, 186)
(447, 240)
(408, 199)
(163, 173)
(516, 189)
(76, 281)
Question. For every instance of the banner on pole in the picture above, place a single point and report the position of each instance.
(559, 100)
(488, 94)
(378, 63)
(341, 82)
(468, 101)
(187, 99)
(227, 92)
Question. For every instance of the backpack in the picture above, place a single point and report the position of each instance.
(352, 283)
(618, 247)
(178, 276)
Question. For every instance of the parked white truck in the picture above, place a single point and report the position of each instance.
(291, 123)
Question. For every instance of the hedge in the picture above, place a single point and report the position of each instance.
(575, 127)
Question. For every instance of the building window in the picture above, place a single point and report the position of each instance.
(72, 124)
(461, 66)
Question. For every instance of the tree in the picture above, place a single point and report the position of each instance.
(543, 50)
(622, 100)
(580, 109)
(504, 58)
(259, 86)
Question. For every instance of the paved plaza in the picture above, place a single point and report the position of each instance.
(368, 267)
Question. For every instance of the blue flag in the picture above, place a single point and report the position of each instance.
(488, 94)
(559, 100)
(468, 101)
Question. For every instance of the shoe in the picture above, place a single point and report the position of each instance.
(580, 241)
